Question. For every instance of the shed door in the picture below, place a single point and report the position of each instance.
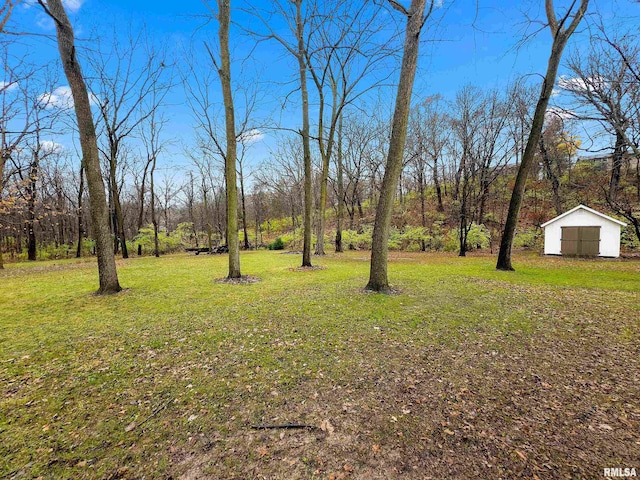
(588, 241)
(569, 241)
(581, 241)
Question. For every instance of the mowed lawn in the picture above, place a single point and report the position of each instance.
(464, 373)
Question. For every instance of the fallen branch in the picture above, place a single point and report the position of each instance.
(133, 425)
(284, 425)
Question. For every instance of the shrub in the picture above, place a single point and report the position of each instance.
(529, 238)
(412, 238)
(355, 240)
(629, 238)
(166, 243)
(277, 244)
(478, 237)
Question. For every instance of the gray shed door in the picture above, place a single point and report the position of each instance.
(580, 241)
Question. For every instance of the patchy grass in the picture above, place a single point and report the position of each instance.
(465, 373)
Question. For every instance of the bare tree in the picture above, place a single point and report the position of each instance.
(5, 12)
(429, 132)
(203, 160)
(416, 18)
(150, 133)
(13, 106)
(480, 148)
(606, 89)
(339, 187)
(166, 197)
(560, 30)
(97, 200)
(291, 12)
(230, 154)
(80, 211)
(122, 88)
(343, 52)
(283, 175)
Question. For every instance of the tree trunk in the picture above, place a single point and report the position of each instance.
(3, 159)
(325, 153)
(436, 181)
(378, 280)
(560, 37)
(118, 219)
(154, 216)
(340, 180)
(80, 223)
(245, 230)
(141, 196)
(31, 206)
(617, 166)
(553, 178)
(423, 213)
(306, 148)
(206, 213)
(107, 272)
(462, 233)
(224, 18)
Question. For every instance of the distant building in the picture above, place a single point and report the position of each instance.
(605, 162)
(583, 232)
(598, 162)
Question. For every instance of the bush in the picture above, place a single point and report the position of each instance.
(478, 237)
(166, 243)
(629, 239)
(354, 240)
(530, 238)
(277, 244)
(412, 238)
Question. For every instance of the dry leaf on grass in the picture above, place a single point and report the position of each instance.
(326, 426)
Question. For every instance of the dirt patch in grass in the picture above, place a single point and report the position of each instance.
(307, 269)
(244, 279)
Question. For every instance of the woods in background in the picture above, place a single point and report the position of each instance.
(323, 182)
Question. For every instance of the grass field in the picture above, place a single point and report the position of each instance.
(465, 373)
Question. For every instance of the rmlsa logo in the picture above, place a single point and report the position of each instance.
(619, 472)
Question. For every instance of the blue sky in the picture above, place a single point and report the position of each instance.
(473, 42)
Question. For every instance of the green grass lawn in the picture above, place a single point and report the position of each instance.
(465, 373)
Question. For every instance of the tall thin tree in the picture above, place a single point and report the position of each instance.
(560, 30)
(224, 71)
(107, 272)
(416, 18)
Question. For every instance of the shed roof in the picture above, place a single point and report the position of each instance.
(582, 207)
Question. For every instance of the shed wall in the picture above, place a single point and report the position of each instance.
(609, 233)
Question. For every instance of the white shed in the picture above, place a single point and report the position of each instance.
(583, 232)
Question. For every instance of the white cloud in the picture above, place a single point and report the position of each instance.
(45, 22)
(575, 84)
(559, 113)
(7, 86)
(49, 146)
(252, 136)
(72, 5)
(62, 98)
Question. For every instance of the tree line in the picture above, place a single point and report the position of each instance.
(423, 164)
